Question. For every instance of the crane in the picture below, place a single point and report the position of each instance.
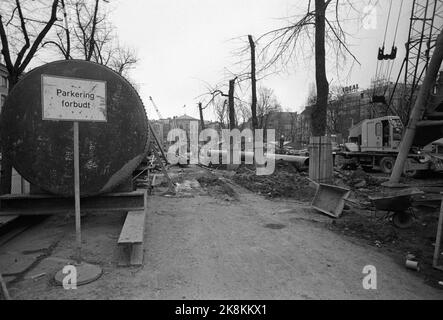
(155, 107)
(157, 147)
(424, 27)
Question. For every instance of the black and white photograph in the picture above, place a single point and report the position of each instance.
(220, 157)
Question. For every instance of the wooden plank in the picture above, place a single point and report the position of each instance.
(133, 228)
(130, 254)
(124, 253)
(130, 242)
(136, 258)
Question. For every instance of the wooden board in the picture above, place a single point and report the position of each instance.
(133, 228)
(130, 242)
(136, 258)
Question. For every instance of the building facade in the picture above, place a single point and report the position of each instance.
(351, 107)
(163, 126)
(4, 85)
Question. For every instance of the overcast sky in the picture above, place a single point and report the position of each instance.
(182, 44)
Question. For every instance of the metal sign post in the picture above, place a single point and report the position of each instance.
(78, 231)
(69, 99)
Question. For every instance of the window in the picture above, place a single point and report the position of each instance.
(378, 129)
(2, 102)
(4, 82)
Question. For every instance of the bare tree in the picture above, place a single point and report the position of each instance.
(220, 110)
(320, 29)
(231, 107)
(312, 95)
(336, 103)
(123, 60)
(267, 103)
(202, 121)
(87, 21)
(22, 41)
(24, 48)
(88, 34)
(294, 124)
(253, 84)
(243, 113)
(65, 48)
(318, 114)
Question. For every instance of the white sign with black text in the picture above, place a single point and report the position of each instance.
(73, 99)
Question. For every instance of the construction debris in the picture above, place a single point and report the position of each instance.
(286, 181)
(330, 199)
(413, 265)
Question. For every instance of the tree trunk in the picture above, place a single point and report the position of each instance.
(318, 115)
(94, 26)
(253, 84)
(202, 122)
(67, 53)
(320, 155)
(231, 104)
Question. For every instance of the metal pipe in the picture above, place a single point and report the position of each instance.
(301, 160)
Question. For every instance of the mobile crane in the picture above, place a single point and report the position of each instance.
(374, 142)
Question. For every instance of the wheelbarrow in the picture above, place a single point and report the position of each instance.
(398, 205)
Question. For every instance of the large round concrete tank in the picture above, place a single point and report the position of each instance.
(42, 150)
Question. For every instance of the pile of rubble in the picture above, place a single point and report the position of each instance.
(286, 181)
(357, 180)
(216, 187)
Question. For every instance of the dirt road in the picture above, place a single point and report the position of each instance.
(205, 245)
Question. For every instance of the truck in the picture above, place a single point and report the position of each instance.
(374, 144)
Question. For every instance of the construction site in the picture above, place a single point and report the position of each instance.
(102, 197)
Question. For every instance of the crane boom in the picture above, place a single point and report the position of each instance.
(155, 107)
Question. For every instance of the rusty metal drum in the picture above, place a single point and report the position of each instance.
(42, 151)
